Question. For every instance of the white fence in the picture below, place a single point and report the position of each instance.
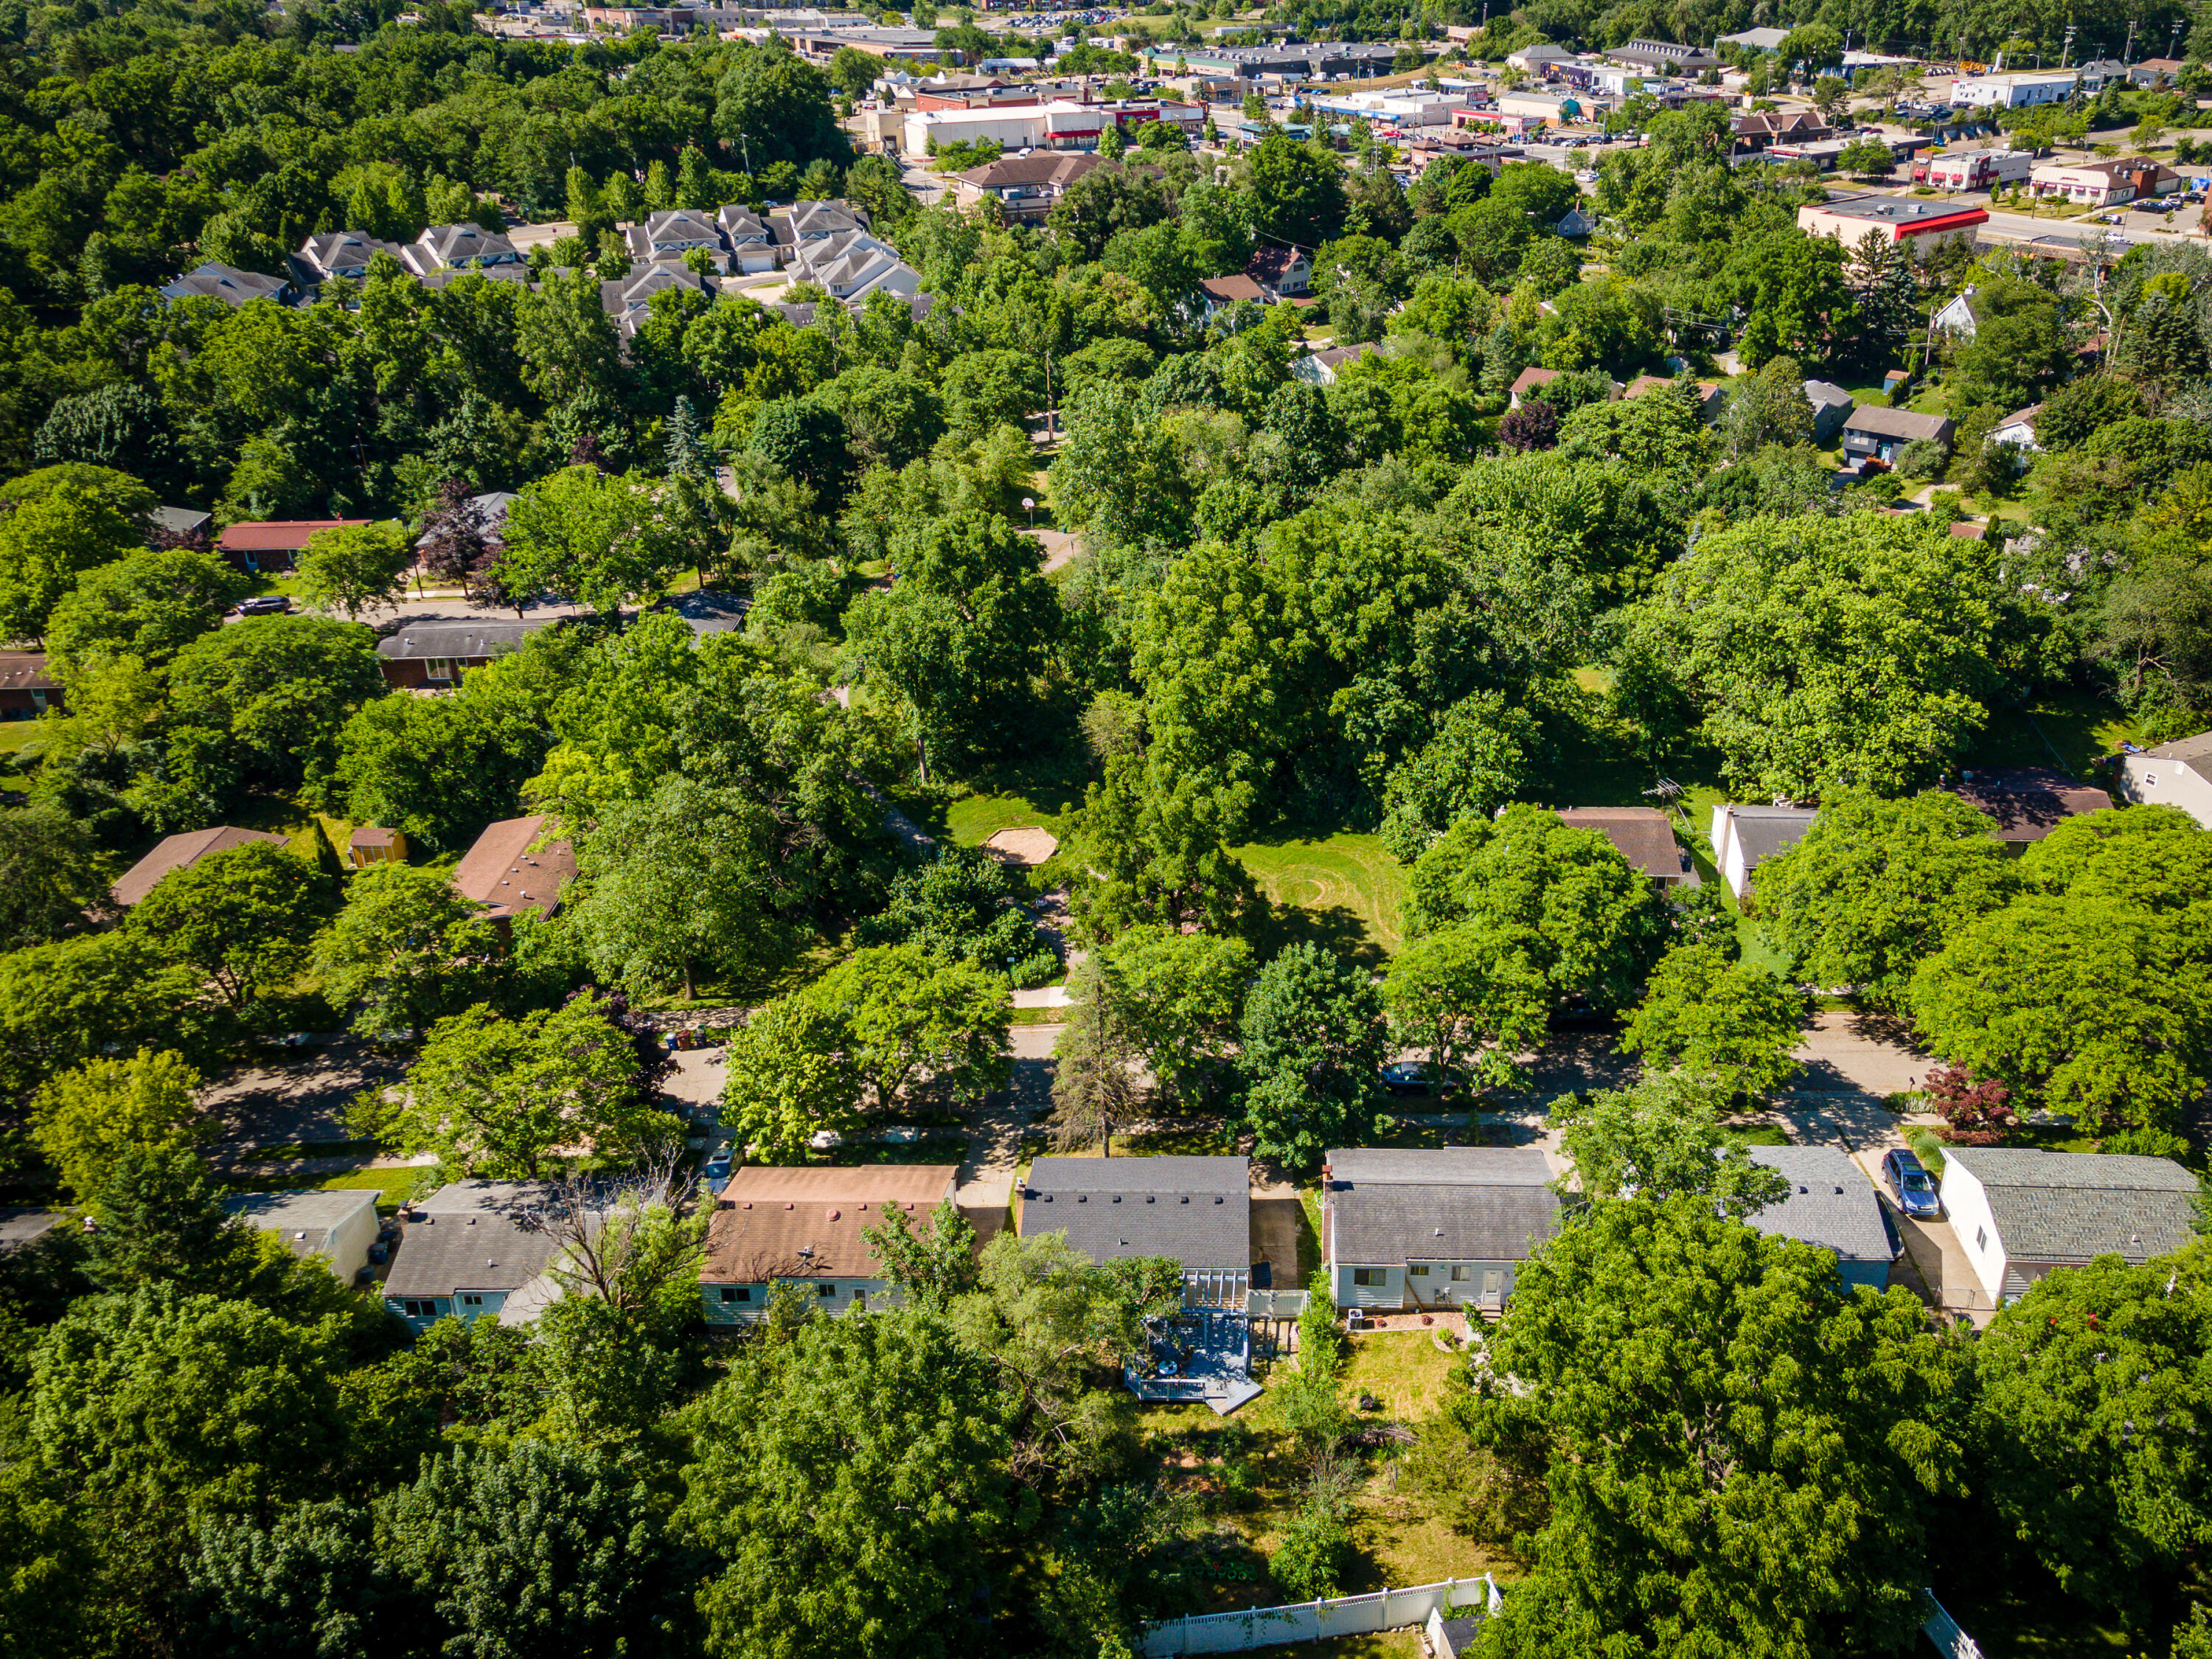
(1315, 1621)
(1943, 1630)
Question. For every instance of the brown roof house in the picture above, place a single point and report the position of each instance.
(1642, 836)
(27, 686)
(2028, 802)
(181, 853)
(805, 1228)
(508, 873)
(1025, 186)
(1218, 292)
(275, 544)
(1285, 272)
(1706, 393)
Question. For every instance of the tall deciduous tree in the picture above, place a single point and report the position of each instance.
(408, 948)
(1718, 1019)
(245, 917)
(497, 1097)
(1313, 1046)
(354, 568)
(1179, 997)
(1659, 1138)
(53, 876)
(83, 1120)
(907, 1013)
(1742, 1453)
(1876, 886)
(1472, 996)
(602, 540)
(146, 604)
(1822, 654)
(788, 1078)
(849, 1488)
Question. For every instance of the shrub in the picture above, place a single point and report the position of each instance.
(1033, 971)
(1311, 1559)
(1978, 1112)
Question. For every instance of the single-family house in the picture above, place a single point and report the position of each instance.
(808, 1228)
(2027, 802)
(1706, 394)
(1526, 382)
(2020, 1212)
(1024, 186)
(1219, 293)
(180, 851)
(1441, 1228)
(1744, 837)
(2177, 774)
(27, 686)
(2154, 72)
(213, 280)
(373, 844)
(746, 235)
(432, 654)
(180, 522)
(509, 874)
(1642, 836)
(1898, 220)
(460, 247)
(475, 1249)
(1831, 407)
(274, 543)
(1875, 431)
(339, 253)
(2017, 430)
(1285, 272)
(1196, 1211)
(669, 236)
(1575, 223)
(1322, 368)
(2104, 183)
(1830, 1203)
(336, 1227)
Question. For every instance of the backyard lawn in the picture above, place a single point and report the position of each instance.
(1342, 892)
(14, 737)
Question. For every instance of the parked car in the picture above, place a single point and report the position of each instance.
(1912, 1186)
(718, 1166)
(263, 605)
(1416, 1076)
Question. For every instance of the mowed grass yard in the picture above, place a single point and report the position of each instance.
(1343, 891)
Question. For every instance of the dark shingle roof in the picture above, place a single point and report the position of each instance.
(1830, 1203)
(485, 638)
(1455, 1204)
(2072, 1207)
(472, 1236)
(1197, 1210)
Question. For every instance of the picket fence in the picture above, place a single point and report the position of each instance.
(1315, 1621)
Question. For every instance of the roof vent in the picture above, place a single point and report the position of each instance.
(749, 1205)
(833, 1215)
(787, 1206)
(1117, 1198)
(1440, 1232)
(1186, 1198)
(1807, 1189)
(1217, 1199)
(1082, 1198)
(472, 1221)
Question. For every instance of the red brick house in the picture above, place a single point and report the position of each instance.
(431, 654)
(28, 687)
(275, 544)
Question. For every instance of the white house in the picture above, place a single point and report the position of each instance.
(2019, 1213)
(1745, 836)
(2178, 773)
(807, 1228)
(2017, 430)
(2104, 183)
(1444, 1229)
(336, 1227)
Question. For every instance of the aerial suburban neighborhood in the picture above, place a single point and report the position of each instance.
(1104, 832)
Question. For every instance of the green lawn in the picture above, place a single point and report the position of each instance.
(974, 819)
(2063, 728)
(1343, 892)
(15, 736)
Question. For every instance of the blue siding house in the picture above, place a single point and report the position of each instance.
(475, 1249)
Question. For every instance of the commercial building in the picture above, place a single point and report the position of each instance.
(2016, 91)
(1061, 124)
(1896, 219)
(1978, 169)
(2104, 183)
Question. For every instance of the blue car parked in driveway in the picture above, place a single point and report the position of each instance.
(1912, 1186)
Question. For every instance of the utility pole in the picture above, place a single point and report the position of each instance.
(2066, 59)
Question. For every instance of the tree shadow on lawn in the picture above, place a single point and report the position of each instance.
(1335, 927)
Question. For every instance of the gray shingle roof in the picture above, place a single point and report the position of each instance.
(288, 1215)
(1887, 423)
(474, 1235)
(1385, 1222)
(1197, 1210)
(2072, 1207)
(2198, 748)
(1452, 1204)
(1467, 1166)
(19, 1227)
(1830, 1203)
